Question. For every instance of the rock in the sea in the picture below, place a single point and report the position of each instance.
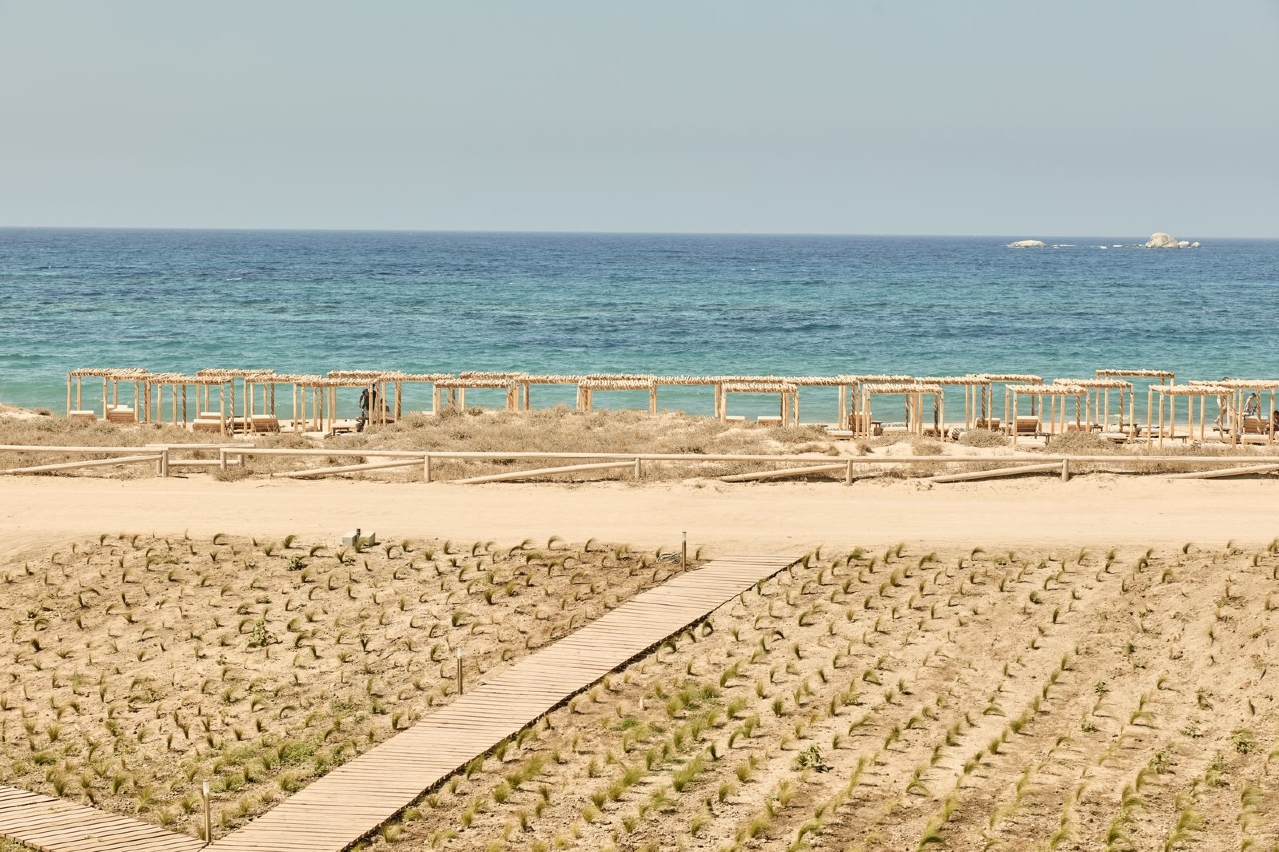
(1183, 244)
(1162, 240)
(1028, 244)
(1195, 244)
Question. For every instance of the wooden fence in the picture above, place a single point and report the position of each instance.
(168, 456)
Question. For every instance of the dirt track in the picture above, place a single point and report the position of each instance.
(776, 518)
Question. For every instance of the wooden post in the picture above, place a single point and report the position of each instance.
(459, 670)
(208, 816)
(1161, 420)
(652, 400)
(426, 468)
(1065, 470)
(638, 471)
(848, 473)
(683, 552)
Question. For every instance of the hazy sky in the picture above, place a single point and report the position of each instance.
(1017, 118)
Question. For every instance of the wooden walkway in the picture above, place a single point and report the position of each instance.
(356, 798)
(56, 825)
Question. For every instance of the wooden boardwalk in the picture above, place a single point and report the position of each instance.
(56, 825)
(356, 798)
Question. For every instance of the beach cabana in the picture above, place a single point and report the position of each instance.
(1002, 380)
(913, 393)
(399, 380)
(242, 399)
(1201, 391)
(855, 396)
(1097, 405)
(456, 388)
(1233, 411)
(587, 387)
(545, 380)
(802, 382)
(177, 384)
(111, 378)
(386, 388)
(787, 395)
(1261, 422)
(303, 386)
(974, 394)
(1050, 399)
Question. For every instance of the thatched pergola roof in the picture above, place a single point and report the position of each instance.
(1136, 374)
(1011, 378)
(632, 383)
(1096, 384)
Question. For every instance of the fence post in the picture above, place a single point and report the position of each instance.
(638, 472)
(426, 468)
(1065, 470)
(848, 473)
(222, 458)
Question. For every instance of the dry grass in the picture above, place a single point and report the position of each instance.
(552, 430)
(983, 438)
(899, 700)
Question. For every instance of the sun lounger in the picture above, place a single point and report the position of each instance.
(265, 423)
(122, 414)
(86, 416)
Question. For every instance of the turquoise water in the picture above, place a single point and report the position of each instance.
(668, 304)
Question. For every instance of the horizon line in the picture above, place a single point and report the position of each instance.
(537, 232)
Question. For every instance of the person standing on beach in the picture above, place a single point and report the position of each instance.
(365, 400)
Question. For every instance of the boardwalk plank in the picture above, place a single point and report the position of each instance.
(354, 799)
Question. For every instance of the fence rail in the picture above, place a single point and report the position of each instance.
(163, 455)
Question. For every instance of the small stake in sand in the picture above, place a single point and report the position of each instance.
(683, 553)
(208, 816)
(459, 671)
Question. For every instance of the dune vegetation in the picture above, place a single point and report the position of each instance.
(978, 698)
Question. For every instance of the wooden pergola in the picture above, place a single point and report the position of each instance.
(836, 382)
(401, 379)
(1050, 398)
(1202, 391)
(112, 378)
(177, 383)
(302, 385)
(1098, 402)
(1004, 380)
(245, 400)
(587, 386)
(788, 396)
(853, 401)
(1233, 416)
(974, 395)
(512, 383)
(1257, 424)
(546, 380)
(913, 393)
(386, 387)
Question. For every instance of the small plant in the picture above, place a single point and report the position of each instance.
(811, 758)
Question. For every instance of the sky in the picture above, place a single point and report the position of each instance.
(825, 116)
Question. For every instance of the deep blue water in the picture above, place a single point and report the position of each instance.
(667, 304)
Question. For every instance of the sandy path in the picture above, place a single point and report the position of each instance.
(760, 519)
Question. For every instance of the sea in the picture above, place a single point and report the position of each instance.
(666, 304)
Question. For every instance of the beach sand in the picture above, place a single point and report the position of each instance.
(1099, 509)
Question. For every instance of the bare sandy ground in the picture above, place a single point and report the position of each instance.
(775, 518)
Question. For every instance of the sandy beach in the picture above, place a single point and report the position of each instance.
(774, 518)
